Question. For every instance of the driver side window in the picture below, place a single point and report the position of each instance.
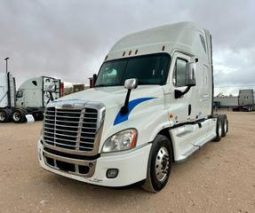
(179, 77)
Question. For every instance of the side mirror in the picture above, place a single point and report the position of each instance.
(190, 78)
(92, 81)
(51, 88)
(94, 78)
(131, 83)
(19, 94)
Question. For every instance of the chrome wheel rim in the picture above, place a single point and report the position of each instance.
(162, 164)
(16, 116)
(2, 116)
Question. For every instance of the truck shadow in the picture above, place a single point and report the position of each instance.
(63, 186)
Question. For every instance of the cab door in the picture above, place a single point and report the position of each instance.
(180, 108)
(183, 107)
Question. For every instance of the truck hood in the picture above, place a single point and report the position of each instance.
(145, 105)
(114, 96)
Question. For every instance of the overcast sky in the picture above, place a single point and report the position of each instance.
(69, 39)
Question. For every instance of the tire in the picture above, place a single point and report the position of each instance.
(4, 115)
(224, 126)
(18, 116)
(159, 164)
(38, 116)
(219, 128)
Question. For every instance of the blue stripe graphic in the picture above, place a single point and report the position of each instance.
(131, 105)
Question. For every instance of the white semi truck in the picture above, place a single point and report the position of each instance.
(31, 98)
(116, 136)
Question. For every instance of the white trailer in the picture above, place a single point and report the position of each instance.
(246, 100)
(226, 101)
(31, 98)
(115, 136)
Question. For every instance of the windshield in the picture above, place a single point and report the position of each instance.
(149, 69)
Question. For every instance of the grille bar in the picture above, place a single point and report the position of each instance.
(71, 129)
(52, 120)
(59, 125)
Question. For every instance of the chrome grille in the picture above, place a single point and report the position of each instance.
(73, 129)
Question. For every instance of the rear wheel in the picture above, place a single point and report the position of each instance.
(219, 129)
(38, 116)
(159, 165)
(224, 125)
(18, 116)
(4, 115)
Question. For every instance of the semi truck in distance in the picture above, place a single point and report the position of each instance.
(151, 106)
(246, 100)
(31, 98)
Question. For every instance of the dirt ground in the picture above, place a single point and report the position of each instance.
(218, 178)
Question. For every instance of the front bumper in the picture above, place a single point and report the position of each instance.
(132, 166)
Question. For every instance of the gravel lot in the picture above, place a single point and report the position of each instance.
(218, 178)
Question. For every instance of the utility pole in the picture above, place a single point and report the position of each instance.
(6, 63)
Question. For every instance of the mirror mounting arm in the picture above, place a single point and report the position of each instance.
(51, 96)
(124, 109)
(179, 93)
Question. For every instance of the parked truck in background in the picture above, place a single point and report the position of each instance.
(31, 98)
(115, 136)
(246, 100)
(7, 95)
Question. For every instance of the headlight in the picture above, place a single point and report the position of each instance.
(123, 140)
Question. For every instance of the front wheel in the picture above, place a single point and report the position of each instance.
(159, 164)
